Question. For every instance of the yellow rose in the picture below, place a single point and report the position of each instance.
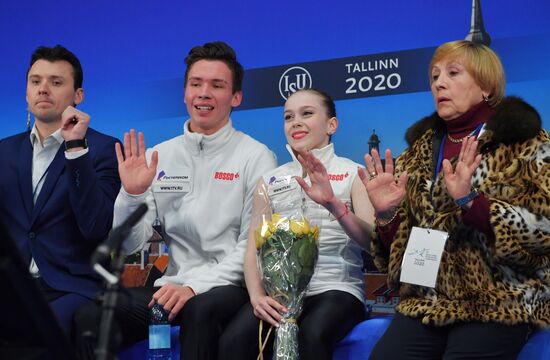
(259, 239)
(265, 231)
(279, 222)
(315, 233)
(299, 227)
(271, 227)
(275, 218)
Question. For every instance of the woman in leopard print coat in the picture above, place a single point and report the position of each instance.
(492, 198)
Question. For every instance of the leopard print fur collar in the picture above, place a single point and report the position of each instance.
(513, 121)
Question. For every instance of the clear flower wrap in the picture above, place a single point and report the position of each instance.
(287, 251)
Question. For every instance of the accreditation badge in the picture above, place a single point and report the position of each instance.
(281, 184)
(180, 183)
(422, 256)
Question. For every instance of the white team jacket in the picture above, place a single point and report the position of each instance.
(340, 262)
(202, 194)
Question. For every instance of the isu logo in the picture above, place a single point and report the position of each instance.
(228, 176)
(293, 79)
(338, 177)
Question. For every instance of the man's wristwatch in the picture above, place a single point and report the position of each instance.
(71, 144)
(466, 199)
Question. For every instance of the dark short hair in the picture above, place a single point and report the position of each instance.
(59, 53)
(217, 50)
(326, 99)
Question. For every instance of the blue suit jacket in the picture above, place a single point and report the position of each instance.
(73, 212)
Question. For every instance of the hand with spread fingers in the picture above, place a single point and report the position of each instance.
(459, 179)
(320, 189)
(135, 174)
(385, 190)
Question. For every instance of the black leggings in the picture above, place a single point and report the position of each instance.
(325, 320)
(202, 321)
(407, 338)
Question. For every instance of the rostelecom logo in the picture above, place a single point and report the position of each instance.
(294, 79)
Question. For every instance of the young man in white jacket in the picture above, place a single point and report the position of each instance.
(199, 185)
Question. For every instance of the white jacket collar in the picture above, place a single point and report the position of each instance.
(325, 155)
(198, 143)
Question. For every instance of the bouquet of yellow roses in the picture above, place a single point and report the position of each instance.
(287, 254)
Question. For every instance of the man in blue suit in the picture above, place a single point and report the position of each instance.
(58, 184)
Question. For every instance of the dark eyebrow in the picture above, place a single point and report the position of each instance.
(54, 77)
(220, 80)
(196, 78)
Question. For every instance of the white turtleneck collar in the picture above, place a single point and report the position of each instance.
(207, 144)
(325, 154)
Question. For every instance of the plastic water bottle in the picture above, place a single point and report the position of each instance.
(159, 334)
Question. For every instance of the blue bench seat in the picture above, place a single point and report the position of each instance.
(358, 344)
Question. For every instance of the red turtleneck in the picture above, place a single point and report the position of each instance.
(463, 126)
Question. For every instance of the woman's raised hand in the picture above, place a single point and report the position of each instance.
(385, 191)
(320, 189)
(459, 179)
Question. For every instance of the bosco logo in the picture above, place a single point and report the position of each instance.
(221, 175)
(337, 177)
(293, 79)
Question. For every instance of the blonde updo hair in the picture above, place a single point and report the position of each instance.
(480, 61)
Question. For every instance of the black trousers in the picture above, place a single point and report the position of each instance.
(63, 304)
(325, 320)
(407, 338)
(202, 320)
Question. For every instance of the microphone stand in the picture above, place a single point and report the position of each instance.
(110, 298)
(112, 287)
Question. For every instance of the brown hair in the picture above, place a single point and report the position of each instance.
(327, 101)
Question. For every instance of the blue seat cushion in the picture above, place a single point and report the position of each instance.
(357, 345)
(537, 347)
(139, 350)
(361, 340)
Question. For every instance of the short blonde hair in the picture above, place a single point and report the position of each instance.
(480, 61)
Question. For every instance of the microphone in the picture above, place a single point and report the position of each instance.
(118, 235)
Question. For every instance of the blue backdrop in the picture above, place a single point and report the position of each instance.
(132, 53)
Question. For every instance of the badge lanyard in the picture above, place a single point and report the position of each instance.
(440, 156)
(440, 161)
